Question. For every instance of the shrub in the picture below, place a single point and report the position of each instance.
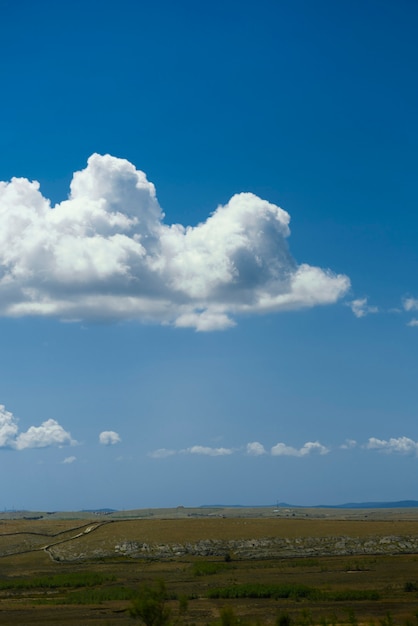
(150, 605)
(284, 619)
(228, 617)
(208, 568)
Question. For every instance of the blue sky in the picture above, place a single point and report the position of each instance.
(223, 307)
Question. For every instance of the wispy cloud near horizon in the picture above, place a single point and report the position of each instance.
(401, 445)
(281, 449)
(254, 448)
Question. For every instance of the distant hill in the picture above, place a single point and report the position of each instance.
(99, 511)
(401, 504)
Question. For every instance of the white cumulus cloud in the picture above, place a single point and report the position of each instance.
(106, 252)
(255, 448)
(8, 428)
(69, 459)
(402, 445)
(109, 438)
(49, 433)
(281, 449)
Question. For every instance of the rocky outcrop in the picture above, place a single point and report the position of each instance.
(271, 548)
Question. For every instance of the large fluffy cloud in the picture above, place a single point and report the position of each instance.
(106, 252)
(49, 433)
(8, 428)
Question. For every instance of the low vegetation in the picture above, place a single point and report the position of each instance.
(348, 590)
(294, 592)
(56, 581)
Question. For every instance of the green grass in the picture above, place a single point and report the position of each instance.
(97, 596)
(209, 568)
(259, 590)
(292, 591)
(303, 563)
(57, 581)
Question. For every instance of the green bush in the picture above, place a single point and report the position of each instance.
(284, 619)
(228, 617)
(150, 606)
(208, 568)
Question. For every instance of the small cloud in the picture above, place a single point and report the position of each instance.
(204, 321)
(410, 304)
(207, 451)
(255, 448)
(109, 438)
(360, 307)
(69, 459)
(348, 444)
(401, 445)
(281, 449)
(162, 453)
(123, 458)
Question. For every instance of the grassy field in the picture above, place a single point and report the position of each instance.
(346, 589)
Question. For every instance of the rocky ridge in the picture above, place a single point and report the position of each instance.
(244, 549)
